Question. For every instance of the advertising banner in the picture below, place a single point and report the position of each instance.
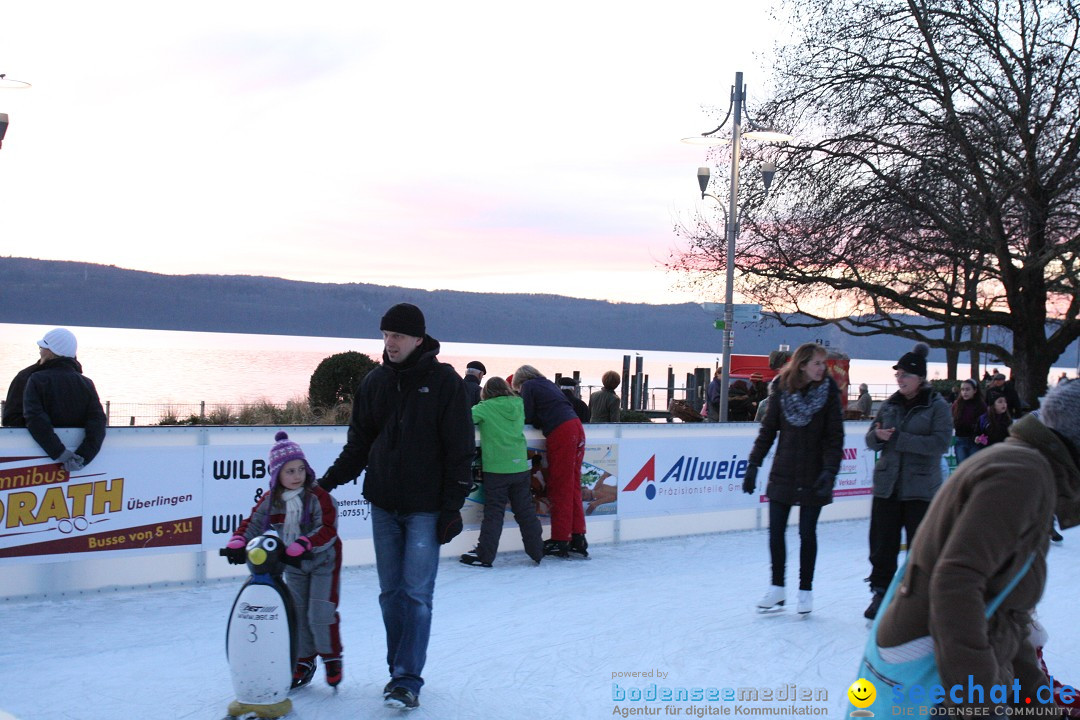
(682, 475)
(236, 478)
(138, 500)
(702, 474)
(151, 493)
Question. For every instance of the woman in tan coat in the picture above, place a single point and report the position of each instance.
(980, 530)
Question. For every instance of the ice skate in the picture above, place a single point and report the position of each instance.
(473, 558)
(773, 600)
(557, 548)
(304, 672)
(579, 545)
(401, 699)
(875, 605)
(806, 602)
(333, 669)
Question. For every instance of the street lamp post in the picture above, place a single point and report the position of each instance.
(738, 105)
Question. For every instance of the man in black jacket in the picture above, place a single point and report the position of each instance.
(474, 375)
(411, 428)
(12, 415)
(57, 394)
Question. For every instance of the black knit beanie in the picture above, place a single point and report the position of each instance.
(404, 318)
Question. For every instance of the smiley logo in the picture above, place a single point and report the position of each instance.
(862, 693)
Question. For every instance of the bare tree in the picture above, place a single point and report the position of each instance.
(933, 188)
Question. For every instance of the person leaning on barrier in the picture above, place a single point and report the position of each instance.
(569, 388)
(604, 405)
(13, 406)
(474, 376)
(58, 395)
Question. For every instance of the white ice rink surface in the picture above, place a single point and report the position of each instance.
(514, 641)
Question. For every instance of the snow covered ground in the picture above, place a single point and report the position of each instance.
(515, 641)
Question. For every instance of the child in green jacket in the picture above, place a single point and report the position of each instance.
(500, 417)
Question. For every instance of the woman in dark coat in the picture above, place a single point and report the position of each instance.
(804, 408)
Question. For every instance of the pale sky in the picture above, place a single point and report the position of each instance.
(484, 146)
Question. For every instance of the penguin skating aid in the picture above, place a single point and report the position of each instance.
(260, 641)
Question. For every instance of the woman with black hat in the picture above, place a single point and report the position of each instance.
(911, 432)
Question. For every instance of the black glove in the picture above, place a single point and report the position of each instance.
(235, 556)
(750, 479)
(448, 526)
(824, 485)
(296, 561)
(326, 482)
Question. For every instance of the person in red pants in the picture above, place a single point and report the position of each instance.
(548, 409)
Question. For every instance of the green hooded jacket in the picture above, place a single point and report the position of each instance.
(501, 421)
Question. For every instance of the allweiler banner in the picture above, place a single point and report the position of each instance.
(705, 473)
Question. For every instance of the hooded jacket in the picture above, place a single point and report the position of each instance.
(501, 421)
(984, 524)
(411, 429)
(909, 464)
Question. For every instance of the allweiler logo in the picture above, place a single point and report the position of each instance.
(646, 473)
(687, 469)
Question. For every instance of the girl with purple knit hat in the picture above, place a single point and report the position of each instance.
(305, 515)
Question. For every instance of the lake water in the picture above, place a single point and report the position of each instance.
(180, 367)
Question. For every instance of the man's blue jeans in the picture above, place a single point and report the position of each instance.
(407, 558)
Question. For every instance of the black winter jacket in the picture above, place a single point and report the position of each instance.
(802, 452)
(472, 389)
(13, 407)
(412, 429)
(59, 395)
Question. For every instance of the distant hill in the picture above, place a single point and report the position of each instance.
(47, 292)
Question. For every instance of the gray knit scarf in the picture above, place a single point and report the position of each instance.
(799, 407)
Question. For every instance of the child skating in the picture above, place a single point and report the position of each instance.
(306, 518)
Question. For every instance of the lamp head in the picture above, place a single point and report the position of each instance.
(768, 169)
(703, 179)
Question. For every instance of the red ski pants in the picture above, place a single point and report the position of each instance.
(565, 452)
